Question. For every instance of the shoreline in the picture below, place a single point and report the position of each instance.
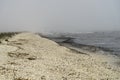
(28, 56)
(84, 49)
(65, 41)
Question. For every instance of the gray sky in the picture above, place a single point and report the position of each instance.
(59, 15)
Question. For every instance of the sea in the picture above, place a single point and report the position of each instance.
(106, 39)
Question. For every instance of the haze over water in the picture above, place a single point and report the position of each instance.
(59, 15)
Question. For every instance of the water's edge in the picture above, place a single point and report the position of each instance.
(71, 44)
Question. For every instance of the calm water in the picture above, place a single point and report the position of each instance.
(110, 40)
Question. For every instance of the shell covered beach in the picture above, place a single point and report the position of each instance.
(27, 56)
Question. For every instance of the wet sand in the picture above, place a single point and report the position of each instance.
(27, 56)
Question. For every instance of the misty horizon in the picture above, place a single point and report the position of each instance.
(59, 15)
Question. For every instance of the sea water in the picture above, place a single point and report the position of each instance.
(109, 40)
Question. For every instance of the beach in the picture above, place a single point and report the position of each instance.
(28, 56)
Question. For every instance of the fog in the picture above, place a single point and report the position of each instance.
(59, 15)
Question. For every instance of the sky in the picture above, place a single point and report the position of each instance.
(59, 15)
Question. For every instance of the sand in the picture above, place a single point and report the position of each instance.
(27, 56)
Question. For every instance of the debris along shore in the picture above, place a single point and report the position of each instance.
(27, 56)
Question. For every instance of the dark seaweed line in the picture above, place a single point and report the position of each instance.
(90, 47)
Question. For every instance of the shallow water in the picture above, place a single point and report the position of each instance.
(109, 40)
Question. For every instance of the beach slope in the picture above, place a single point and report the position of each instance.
(27, 56)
